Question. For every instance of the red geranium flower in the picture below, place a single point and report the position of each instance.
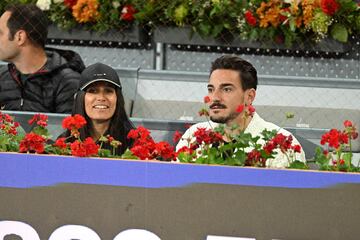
(39, 119)
(127, 13)
(12, 130)
(348, 123)
(32, 142)
(110, 138)
(78, 149)
(7, 124)
(139, 133)
(254, 158)
(251, 110)
(165, 151)
(91, 147)
(60, 143)
(296, 148)
(280, 141)
(73, 122)
(143, 146)
(334, 138)
(84, 149)
(140, 151)
(329, 6)
(185, 149)
(350, 129)
(6, 117)
(206, 99)
(177, 136)
(240, 108)
(250, 19)
(207, 136)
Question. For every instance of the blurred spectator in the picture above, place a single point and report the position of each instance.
(36, 78)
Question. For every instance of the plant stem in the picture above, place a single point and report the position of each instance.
(208, 120)
(351, 155)
(288, 158)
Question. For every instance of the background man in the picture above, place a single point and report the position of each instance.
(232, 83)
(36, 78)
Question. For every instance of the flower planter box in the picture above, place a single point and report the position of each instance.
(173, 35)
(110, 196)
(133, 34)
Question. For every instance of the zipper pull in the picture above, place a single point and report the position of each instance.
(21, 102)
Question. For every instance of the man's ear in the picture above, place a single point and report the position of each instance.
(20, 37)
(250, 95)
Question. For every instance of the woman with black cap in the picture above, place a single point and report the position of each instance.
(100, 100)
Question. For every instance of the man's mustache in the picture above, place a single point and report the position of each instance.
(217, 105)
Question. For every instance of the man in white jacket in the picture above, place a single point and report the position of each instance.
(233, 83)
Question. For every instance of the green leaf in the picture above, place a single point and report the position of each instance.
(4, 140)
(240, 158)
(227, 25)
(344, 1)
(217, 29)
(347, 158)
(298, 165)
(339, 33)
(267, 135)
(213, 12)
(357, 22)
(185, 157)
(321, 159)
(213, 156)
(292, 24)
(204, 29)
(104, 153)
(254, 35)
(220, 129)
(128, 155)
(226, 147)
(41, 131)
(201, 160)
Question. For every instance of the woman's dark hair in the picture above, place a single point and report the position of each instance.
(31, 19)
(119, 127)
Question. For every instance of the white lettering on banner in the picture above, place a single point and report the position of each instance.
(69, 232)
(24, 230)
(80, 232)
(211, 237)
(138, 234)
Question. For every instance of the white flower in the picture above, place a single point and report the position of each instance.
(116, 4)
(43, 4)
(58, 1)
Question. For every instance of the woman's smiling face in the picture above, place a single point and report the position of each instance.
(100, 101)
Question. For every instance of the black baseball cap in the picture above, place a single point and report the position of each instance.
(99, 72)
